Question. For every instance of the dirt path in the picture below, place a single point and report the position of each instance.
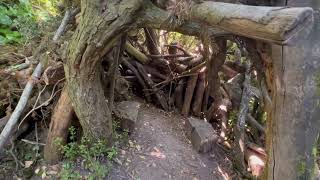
(158, 149)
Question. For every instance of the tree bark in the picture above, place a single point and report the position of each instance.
(272, 24)
(96, 33)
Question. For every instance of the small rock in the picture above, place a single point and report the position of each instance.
(201, 134)
(127, 112)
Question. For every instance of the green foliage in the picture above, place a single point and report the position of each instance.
(188, 42)
(233, 117)
(21, 21)
(90, 153)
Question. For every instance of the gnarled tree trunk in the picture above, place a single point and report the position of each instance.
(101, 25)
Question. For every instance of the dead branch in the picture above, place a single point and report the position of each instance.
(70, 13)
(200, 88)
(178, 93)
(240, 126)
(191, 84)
(136, 53)
(126, 63)
(158, 93)
(255, 123)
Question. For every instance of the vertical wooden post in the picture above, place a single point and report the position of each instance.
(293, 122)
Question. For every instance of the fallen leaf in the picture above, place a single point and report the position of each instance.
(157, 153)
(37, 171)
(138, 147)
(27, 164)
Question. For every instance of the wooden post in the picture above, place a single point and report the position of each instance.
(293, 122)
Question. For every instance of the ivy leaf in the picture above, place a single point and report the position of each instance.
(14, 36)
(3, 40)
(5, 20)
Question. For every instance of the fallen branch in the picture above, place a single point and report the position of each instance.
(126, 63)
(255, 123)
(67, 16)
(158, 93)
(136, 53)
(200, 88)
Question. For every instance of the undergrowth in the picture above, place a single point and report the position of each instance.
(23, 20)
(88, 160)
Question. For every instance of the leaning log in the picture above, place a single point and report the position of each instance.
(58, 131)
(136, 53)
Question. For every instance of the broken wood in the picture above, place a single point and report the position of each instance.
(58, 130)
(200, 88)
(178, 93)
(191, 84)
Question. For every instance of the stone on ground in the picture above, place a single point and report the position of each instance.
(201, 134)
(127, 112)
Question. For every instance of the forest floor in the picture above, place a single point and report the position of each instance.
(159, 149)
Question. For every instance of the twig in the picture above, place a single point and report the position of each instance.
(37, 139)
(14, 156)
(32, 142)
(53, 94)
(167, 55)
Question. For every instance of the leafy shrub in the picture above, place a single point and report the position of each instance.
(89, 153)
(20, 21)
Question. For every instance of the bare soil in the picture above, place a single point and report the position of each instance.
(158, 149)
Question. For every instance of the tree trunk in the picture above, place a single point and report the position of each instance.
(100, 26)
(293, 123)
